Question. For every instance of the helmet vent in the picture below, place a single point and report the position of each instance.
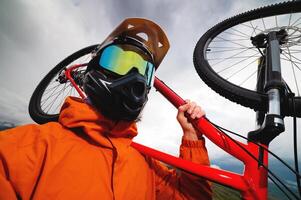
(142, 36)
(130, 26)
(160, 45)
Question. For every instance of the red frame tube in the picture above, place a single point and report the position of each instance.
(252, 184)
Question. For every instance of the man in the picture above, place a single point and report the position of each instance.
(87, 153)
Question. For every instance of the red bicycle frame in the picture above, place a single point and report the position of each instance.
(252, 183)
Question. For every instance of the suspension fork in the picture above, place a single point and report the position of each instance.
(273, 86)
(270, 124)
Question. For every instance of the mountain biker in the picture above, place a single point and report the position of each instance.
(87, 153)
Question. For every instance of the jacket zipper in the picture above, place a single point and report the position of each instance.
(114, 157)
(113, 166)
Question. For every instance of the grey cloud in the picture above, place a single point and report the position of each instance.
(14, 110)
(16, 24)
(159, 11)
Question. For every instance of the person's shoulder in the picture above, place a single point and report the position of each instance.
(30, 133)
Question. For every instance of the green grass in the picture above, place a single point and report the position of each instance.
(224, 193)
(221, 192)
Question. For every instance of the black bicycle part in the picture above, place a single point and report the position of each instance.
(246, 97)
(273, 123)
(37, 113)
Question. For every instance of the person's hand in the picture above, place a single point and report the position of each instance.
(194, 112)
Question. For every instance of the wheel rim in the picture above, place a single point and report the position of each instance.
(231, 55)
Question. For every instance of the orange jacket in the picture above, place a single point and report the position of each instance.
(85, 156)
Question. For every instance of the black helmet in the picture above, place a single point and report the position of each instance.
(121, 74)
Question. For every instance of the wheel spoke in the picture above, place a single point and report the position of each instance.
(296, 21)
(289, 21)
(53, 93)
(240, 32)
(234, 64)
(263, 24)
(235, 34)
(50, 89)
(228, 58)
(231, 57)
(43, 101)
(233, 49)
(295, 36)
(251, 26)
(62, 99)
(288, 53)
(288, 59)
(255, 28)
(50, 106)
(247, 47)
(293, 51)
(54, 98)
(51, 99)
(241, 69)
(248, 78)
(235, 40)
(294, 73)
(230, 48)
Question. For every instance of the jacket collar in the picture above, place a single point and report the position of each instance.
(76, 114)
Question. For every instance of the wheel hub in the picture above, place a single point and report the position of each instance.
(293, 36)
(260, 40)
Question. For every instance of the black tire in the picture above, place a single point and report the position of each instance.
(37, 113)
(227, 89)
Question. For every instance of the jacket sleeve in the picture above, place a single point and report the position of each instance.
(176, 184)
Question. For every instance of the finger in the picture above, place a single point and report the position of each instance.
(184, 107)
(181, 113)
(192, 106)
(194, 112)
(197, 112)
(201, 114)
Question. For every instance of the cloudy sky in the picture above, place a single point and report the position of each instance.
(36, 35)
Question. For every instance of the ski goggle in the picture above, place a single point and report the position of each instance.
(121, 58)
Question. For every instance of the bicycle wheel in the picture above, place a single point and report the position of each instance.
(49, 95)
(226, 59)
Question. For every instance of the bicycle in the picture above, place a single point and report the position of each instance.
(272, 99)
